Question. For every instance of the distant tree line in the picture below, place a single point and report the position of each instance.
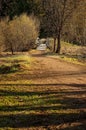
(17, 7)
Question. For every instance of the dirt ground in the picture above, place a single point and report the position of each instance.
(52, 69)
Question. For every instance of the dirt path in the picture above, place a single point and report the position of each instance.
(52, 70)
(53, 75)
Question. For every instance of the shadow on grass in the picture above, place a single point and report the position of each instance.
(54, 84)
(40, 54)
(51, 99)
(45, 74)
(4, 69)
(75, 56)
(44, 119)
(65, 104)
(51, 74)
(37, 120)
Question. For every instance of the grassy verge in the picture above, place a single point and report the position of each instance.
(14, 65)
(71, 53)
(76, 60)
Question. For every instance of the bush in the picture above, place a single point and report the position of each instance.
(4, 69)
(20, 33)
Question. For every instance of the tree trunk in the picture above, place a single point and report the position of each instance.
(12, 51)
(11, 48)
(58, 44)
(54, 47)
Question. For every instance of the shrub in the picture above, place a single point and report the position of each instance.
(4, 69)
(20, 33)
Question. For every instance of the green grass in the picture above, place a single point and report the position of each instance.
(15, 63)
(70, 53)
(24, 105)
(64, 44)
(25, 59)
(72, 60)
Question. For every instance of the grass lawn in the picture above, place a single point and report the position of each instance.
(24, 105)
(71, 52)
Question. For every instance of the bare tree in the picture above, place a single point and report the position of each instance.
(75, 29)
(57, 13)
